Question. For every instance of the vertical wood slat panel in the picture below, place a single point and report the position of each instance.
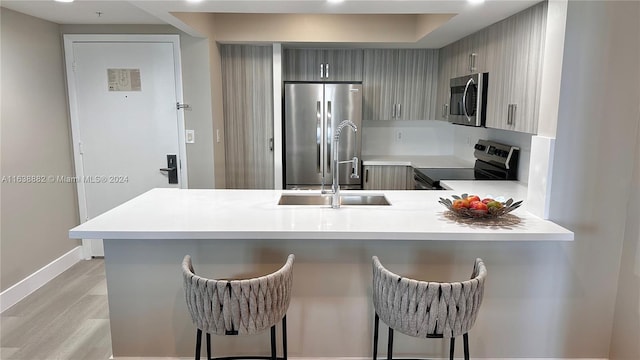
(248, 115)
(408, 78)
(386, 177)
(379, 78)
(516, 69)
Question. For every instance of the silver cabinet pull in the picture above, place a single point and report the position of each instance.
(445, 110)
(472, 62)
(326, 72)
(270, 144)
(511, 114)
(318, 134)
(399, 111)
(321, 71)
(393, 112)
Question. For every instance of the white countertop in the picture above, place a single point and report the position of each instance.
(417, 161)
(254, 214)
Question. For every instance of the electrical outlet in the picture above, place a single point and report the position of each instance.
(398, 136)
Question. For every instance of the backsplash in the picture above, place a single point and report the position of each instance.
(400, 137)
(465, 138)
(423, 138)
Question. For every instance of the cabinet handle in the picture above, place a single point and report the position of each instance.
(399, 110)
(326, 72)
(271, 144)
(472, 62)
(366, 176)
(393, 112)
(445, 111)
(511, 114)
(321, 71)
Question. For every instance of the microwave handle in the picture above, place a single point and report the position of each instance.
(464, 99)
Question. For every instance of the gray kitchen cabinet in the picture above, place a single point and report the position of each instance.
(515, 54)
(247, 86)
(463, 57)
(400, 84)
(387, 177)
(322, 64)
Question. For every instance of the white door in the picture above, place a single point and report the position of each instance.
(123, 92)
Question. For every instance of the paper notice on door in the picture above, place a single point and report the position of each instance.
(124, 79)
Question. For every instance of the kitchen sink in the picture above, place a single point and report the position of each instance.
(347, 199)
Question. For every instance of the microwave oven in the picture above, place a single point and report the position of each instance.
(468, 99)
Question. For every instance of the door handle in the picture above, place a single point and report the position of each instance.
(171, 169)
(464, 99)
(318, 135)
(329, 130)
(271, 144)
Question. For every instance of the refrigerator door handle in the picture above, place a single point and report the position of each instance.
(319, 135)
(329, 133)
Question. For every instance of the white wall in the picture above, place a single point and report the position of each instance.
(594, 159)
(626, 326)
(402, 137)
(35, 141)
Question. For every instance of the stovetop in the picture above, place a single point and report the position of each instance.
(434, 175)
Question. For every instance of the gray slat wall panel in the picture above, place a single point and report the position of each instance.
(248, 115)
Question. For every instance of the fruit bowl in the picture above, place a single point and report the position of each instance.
(470, 206)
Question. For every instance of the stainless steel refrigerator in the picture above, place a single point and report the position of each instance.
(311, 112)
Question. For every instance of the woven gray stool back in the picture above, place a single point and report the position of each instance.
(421, 308)
(247, 306)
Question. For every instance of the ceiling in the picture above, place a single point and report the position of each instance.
(470, 17)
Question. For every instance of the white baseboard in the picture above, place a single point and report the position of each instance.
(33, 282)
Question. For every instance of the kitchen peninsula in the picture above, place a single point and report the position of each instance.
(243, 233)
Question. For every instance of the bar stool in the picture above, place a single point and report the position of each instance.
(426, 309)
(239, 307)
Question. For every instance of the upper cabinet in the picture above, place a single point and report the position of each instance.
(515, 53)
(322, 64)
(400, 84)
(465, 56)
(511, 51)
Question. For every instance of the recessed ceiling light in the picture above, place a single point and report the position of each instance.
(335, 1)
(194, 1)
(475, 1)
(64, 0)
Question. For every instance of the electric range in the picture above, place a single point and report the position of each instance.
(494, 161)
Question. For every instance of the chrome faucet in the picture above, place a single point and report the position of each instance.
(335, 186)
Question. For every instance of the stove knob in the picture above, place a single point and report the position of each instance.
(480, 147)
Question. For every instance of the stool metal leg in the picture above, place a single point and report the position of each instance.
(198, 343)
(465, 339)
(284, 337)
(273, 342)
(376, 323)
(208, 346)
(452, 347)
(390, 345)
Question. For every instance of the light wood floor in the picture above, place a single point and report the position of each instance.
(67, 319)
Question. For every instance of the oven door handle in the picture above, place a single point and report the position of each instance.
(464, 99)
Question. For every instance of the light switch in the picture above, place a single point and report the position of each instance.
(191, 137)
